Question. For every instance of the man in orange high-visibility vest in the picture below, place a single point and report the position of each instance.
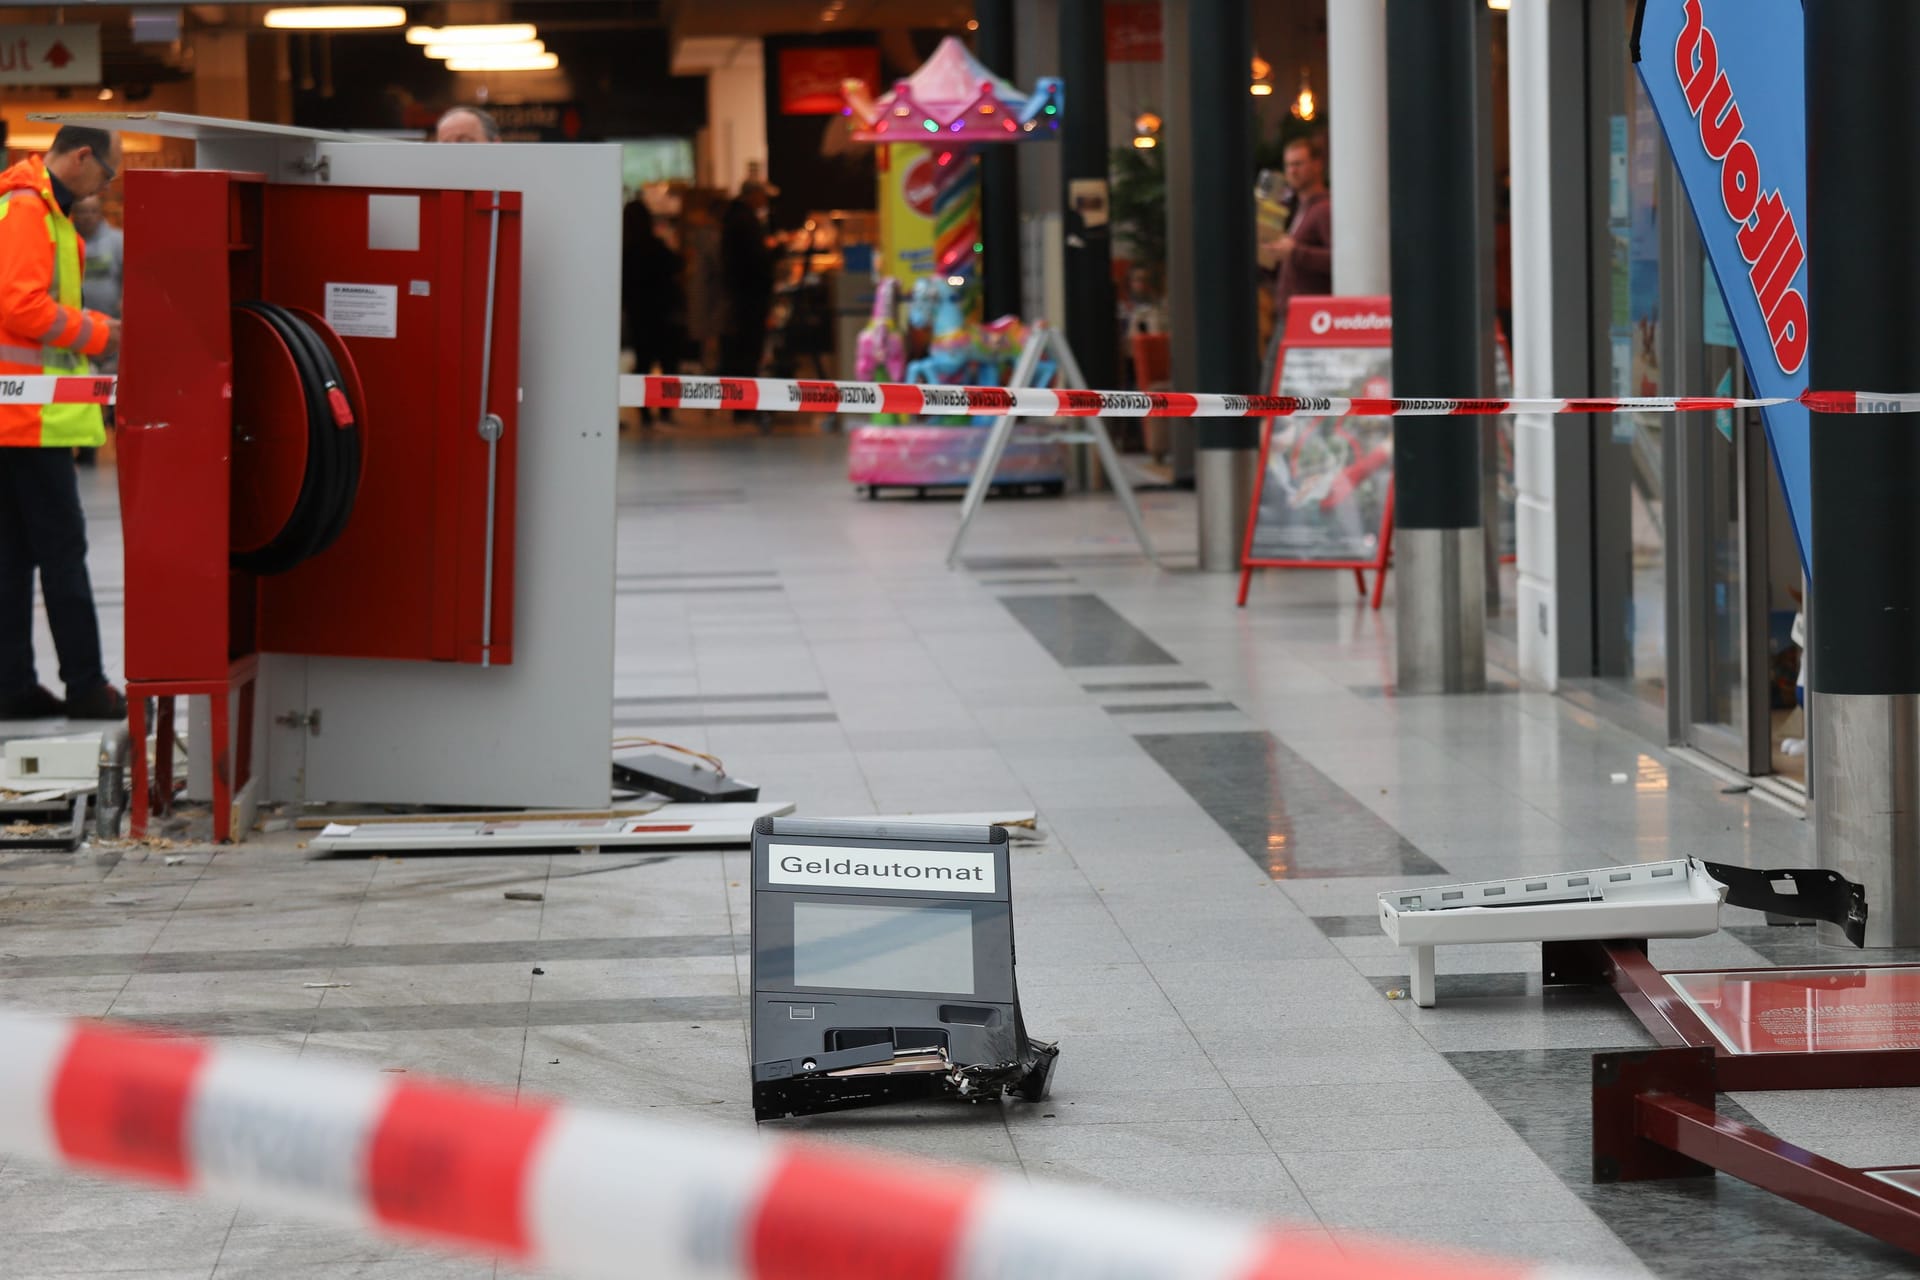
(44, 330)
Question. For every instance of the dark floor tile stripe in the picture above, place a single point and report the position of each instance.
(695, 717)
(1082, 630)
(1710, 1228)
(1036, 581)
(683, 574)
(1163, 708)
(444, 1017)
(1349, 926)
(666, 946)
(1290, 818)
(1009, 563)
(699, 591)
(1798, 946)
(1507, 986)
(685, 699)
(1389, 691)
(1152, 686)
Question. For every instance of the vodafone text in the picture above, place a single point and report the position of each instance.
(1768, 239)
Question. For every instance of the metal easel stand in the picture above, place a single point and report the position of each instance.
(1039, 342)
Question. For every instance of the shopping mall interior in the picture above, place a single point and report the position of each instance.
(504, 549)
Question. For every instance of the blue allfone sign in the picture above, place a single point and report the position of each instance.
(1727, 79)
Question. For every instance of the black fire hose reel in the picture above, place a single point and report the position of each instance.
(312, 420)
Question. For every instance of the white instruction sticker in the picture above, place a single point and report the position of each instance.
(938, 871)
(364, 310)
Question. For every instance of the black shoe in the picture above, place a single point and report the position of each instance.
(37, 703)
(102, 702)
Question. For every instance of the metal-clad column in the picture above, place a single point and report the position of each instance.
(999, 171)
(1093, 326)
(1220, 53)
(1436, 56)
(1176, 152)
(1863, 276)
(1357, 143)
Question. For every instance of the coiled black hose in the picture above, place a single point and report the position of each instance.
(332, 478)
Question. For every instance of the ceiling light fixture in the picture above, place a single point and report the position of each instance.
(1262, 86)
(494, 33)
(519, 50)
(1305, 106)
(478, 60)
(336, 17)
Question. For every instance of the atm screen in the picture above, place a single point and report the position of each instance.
(873, 947)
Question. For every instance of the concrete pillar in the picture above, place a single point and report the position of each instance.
(1357, 144)
(999, 171)
(1220, 48)
(1092, 324)
(1436, 63)
(1863, 275)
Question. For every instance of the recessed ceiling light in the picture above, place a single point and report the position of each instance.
(522, 49)
(479, 60)
(336, 17)
(494, 33)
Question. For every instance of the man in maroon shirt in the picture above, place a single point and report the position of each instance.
(1305, 252)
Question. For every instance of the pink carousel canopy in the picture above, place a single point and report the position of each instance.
(953, 98)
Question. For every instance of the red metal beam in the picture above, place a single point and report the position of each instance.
(1652, 999)
(1832, 1190)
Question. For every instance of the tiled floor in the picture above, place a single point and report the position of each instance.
(1222, 793)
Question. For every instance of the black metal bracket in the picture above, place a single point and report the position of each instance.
(1805, 894)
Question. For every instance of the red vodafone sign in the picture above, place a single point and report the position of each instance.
(1314, 321)
(1807, 1010)
(63, 54)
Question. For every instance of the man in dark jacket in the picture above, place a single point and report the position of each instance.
(1305, 252)
(747, 269)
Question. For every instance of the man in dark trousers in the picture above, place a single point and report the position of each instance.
(747, 268)
(45, 329)
(1305, 251)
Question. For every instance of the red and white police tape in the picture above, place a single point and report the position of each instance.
(786, 395)
(594, 1194)
(783, 395)
(51, 389)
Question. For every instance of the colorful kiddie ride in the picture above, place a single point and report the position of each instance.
(927, 128)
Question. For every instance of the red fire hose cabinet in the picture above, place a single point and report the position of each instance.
(317, 423)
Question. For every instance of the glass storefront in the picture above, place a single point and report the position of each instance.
(1695, 579)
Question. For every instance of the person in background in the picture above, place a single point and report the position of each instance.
(100, 288)
(466, 124)
(651, 298)
(747, 267)
(1305, 251)
(44, 330)
(705, 278)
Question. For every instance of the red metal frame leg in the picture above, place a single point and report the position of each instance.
(1621, 1153)
(1246, 578)
(1360, 581)
(137, 722)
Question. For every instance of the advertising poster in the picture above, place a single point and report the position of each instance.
(1325, 488)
